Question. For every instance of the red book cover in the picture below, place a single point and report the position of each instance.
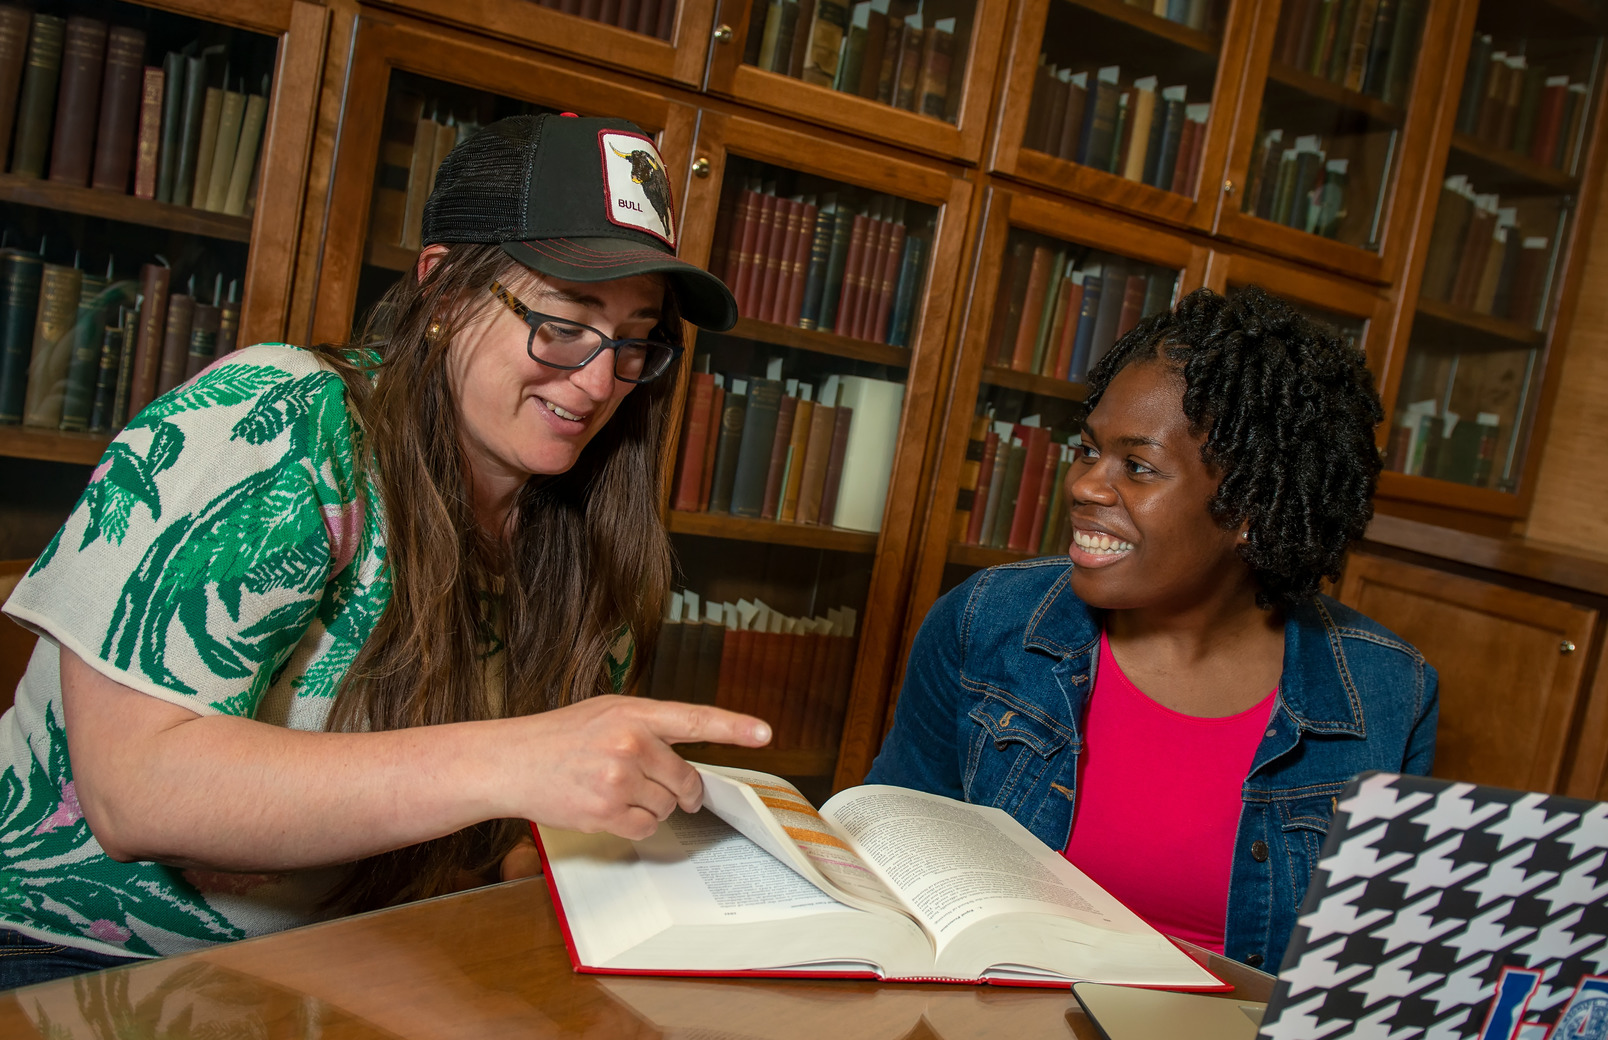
(876, 247)
(834, 464)
(694, 442)
(1038, 281)
(785, 415)
(770, 675)
(1036, 441)
(1549, 119)
(741, 228)
(794, 713)
(717, 402)
(1186, 145)
(1062, 365)
(1133, 304)
(853, 276)
(742, 669)
(784, 223)
(751, 278)
(1052, 459)
(878, 330)
(801, 265)
(728, 669)
(985, 473)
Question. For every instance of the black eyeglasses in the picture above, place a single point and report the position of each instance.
(569, 345)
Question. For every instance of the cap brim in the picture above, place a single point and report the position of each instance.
(704, 299)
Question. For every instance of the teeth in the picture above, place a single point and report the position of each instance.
(561, 413)
(1100, 544)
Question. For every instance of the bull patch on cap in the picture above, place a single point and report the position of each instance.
(635, 185)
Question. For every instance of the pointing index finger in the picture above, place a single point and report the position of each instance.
(676, 723)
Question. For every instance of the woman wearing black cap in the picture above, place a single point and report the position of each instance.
(286, 567)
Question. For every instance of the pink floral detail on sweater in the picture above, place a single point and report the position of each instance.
(344, 523)
(106, 931)
(221, 883)
(67, 811)
(100, 470)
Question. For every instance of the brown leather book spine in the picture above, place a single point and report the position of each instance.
(1037, 442)
(795, 704)
(816, 456)
(786, 414)
(876, 245)
(752, 275)
(203, 339)
(772, 675)
(14, 23)
(834, 464)
(1026, 330)
(83, 55)
(1471, 257)
(799, 265)
(803, 418)
(1041, 512)
(706, 481)
(853, 275)
(228, 327)
(778, 252)
(37, 102)
(817, 721)
(738, 217)
(154, 280)
(175, 342)
(694, 440)
(1133, 304)
(876, 328)
(150, 133)
(119, 109)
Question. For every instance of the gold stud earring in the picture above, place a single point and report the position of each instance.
(433, 333)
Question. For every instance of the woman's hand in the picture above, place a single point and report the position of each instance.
(606, 763)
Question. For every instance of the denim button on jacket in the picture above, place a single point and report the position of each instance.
(992, 712)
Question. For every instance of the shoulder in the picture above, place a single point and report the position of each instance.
(1358, 632)
(1000, 603)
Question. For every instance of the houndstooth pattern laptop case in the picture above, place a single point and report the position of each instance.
(1445, 910)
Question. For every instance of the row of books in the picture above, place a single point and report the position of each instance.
(1013, 487)
(775, 449)
(1362, 45)
(1297, 184)
(76, 98)
(1425, 443)
(877, 49)
(84, 352)
(416, 137)
(794, 672)
(1509, 103)
(1479, 258)
(1061, 307)
(1141, 132)
(1194, 13)
(648, 17)
(826, 264)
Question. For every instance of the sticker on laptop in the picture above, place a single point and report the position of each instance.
(637, 186)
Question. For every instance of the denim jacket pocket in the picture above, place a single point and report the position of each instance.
(1008, 753)
(1304, 820)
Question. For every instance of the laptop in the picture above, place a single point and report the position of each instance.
(1438, 910)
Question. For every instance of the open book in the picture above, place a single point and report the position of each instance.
(882, 882)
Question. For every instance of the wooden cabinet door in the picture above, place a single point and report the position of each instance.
(1510, 666)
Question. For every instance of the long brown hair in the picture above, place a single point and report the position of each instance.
(587, 558)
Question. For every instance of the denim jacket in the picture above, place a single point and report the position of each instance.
(992, 712)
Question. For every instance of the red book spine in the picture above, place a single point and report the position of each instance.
(728, 670)
(785, 258)
(1041, 512)
(1062, 365)
(742, 222)
(793, 715)
(1133, 304)
(834, 464)
(786, 413)
(78, 101)
(119, 109)
(1037, 442)
(694, 442)
(853, 275)
(870, 276)
(749, 279)
(878, 330)
(742, 669)
(1038, 281)
(985, 473)
(801, 265)
(154, 280)
(705, 482)
(782, 221)
(772, 652)
(1548, 120)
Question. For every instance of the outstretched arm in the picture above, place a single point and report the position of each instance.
(159, 782)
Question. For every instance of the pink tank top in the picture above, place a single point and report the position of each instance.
(1159, 802)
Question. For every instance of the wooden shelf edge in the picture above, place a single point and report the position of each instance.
(126, 209)
(27, 442)
(1103, 187)
(1142, 19)
(981, 556)
(818, 342)
(745, 529)
(388, 257)
(1485, 323)
(1515, 163)
(1433, 491)
(1327, 90)
(1044, 386)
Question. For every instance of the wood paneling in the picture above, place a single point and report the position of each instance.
(1510, 666)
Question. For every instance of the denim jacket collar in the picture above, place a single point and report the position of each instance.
(1063, 626)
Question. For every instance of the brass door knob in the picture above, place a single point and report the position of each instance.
(700, 167)
(723, 34)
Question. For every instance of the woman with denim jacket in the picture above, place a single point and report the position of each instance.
(1178, 707)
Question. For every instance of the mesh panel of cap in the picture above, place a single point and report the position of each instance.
(481, 188)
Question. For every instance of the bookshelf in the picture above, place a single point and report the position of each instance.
(1491, 284)
(1360, 313)
(74, 195)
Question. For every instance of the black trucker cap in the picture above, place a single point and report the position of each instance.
(582, 199)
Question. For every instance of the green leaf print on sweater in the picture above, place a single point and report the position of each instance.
(224, 385)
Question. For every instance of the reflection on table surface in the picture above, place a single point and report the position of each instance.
(492, 963)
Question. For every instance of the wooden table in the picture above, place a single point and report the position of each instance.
(491, 963)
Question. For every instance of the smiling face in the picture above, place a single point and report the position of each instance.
(1142, 535)
(518, 418)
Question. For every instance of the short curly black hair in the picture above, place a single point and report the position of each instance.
(1288, 410)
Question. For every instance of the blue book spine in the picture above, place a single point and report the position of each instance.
(1086, 319)
(911, 267)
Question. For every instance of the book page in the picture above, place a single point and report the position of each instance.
(775, 816)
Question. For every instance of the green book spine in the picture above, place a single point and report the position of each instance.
(1046, 315)
(191, 106)
(849, 69)
(125, 369)
(106, 376)
(1535, 79)
(167, 153)
(1158, 292)
(59, 291)
(754, 450)
(36, 106)
(820, 255)
(1479, 65)
(79, 396)
(1055, 521)
(20, 275)
(1384, 29)
(837, 259)
(1340, 48)
(1114, 159)
(731, 436)
(1009, 488)
(1322, 38)
(911, 268)
(1398, 72)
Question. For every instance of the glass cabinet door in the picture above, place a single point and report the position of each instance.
(1055, 285)
(918, 73)
(801, 438)
(1496, 255)
(1335, 131)
(421, 81)
(1116, 102)
(1360, 314)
